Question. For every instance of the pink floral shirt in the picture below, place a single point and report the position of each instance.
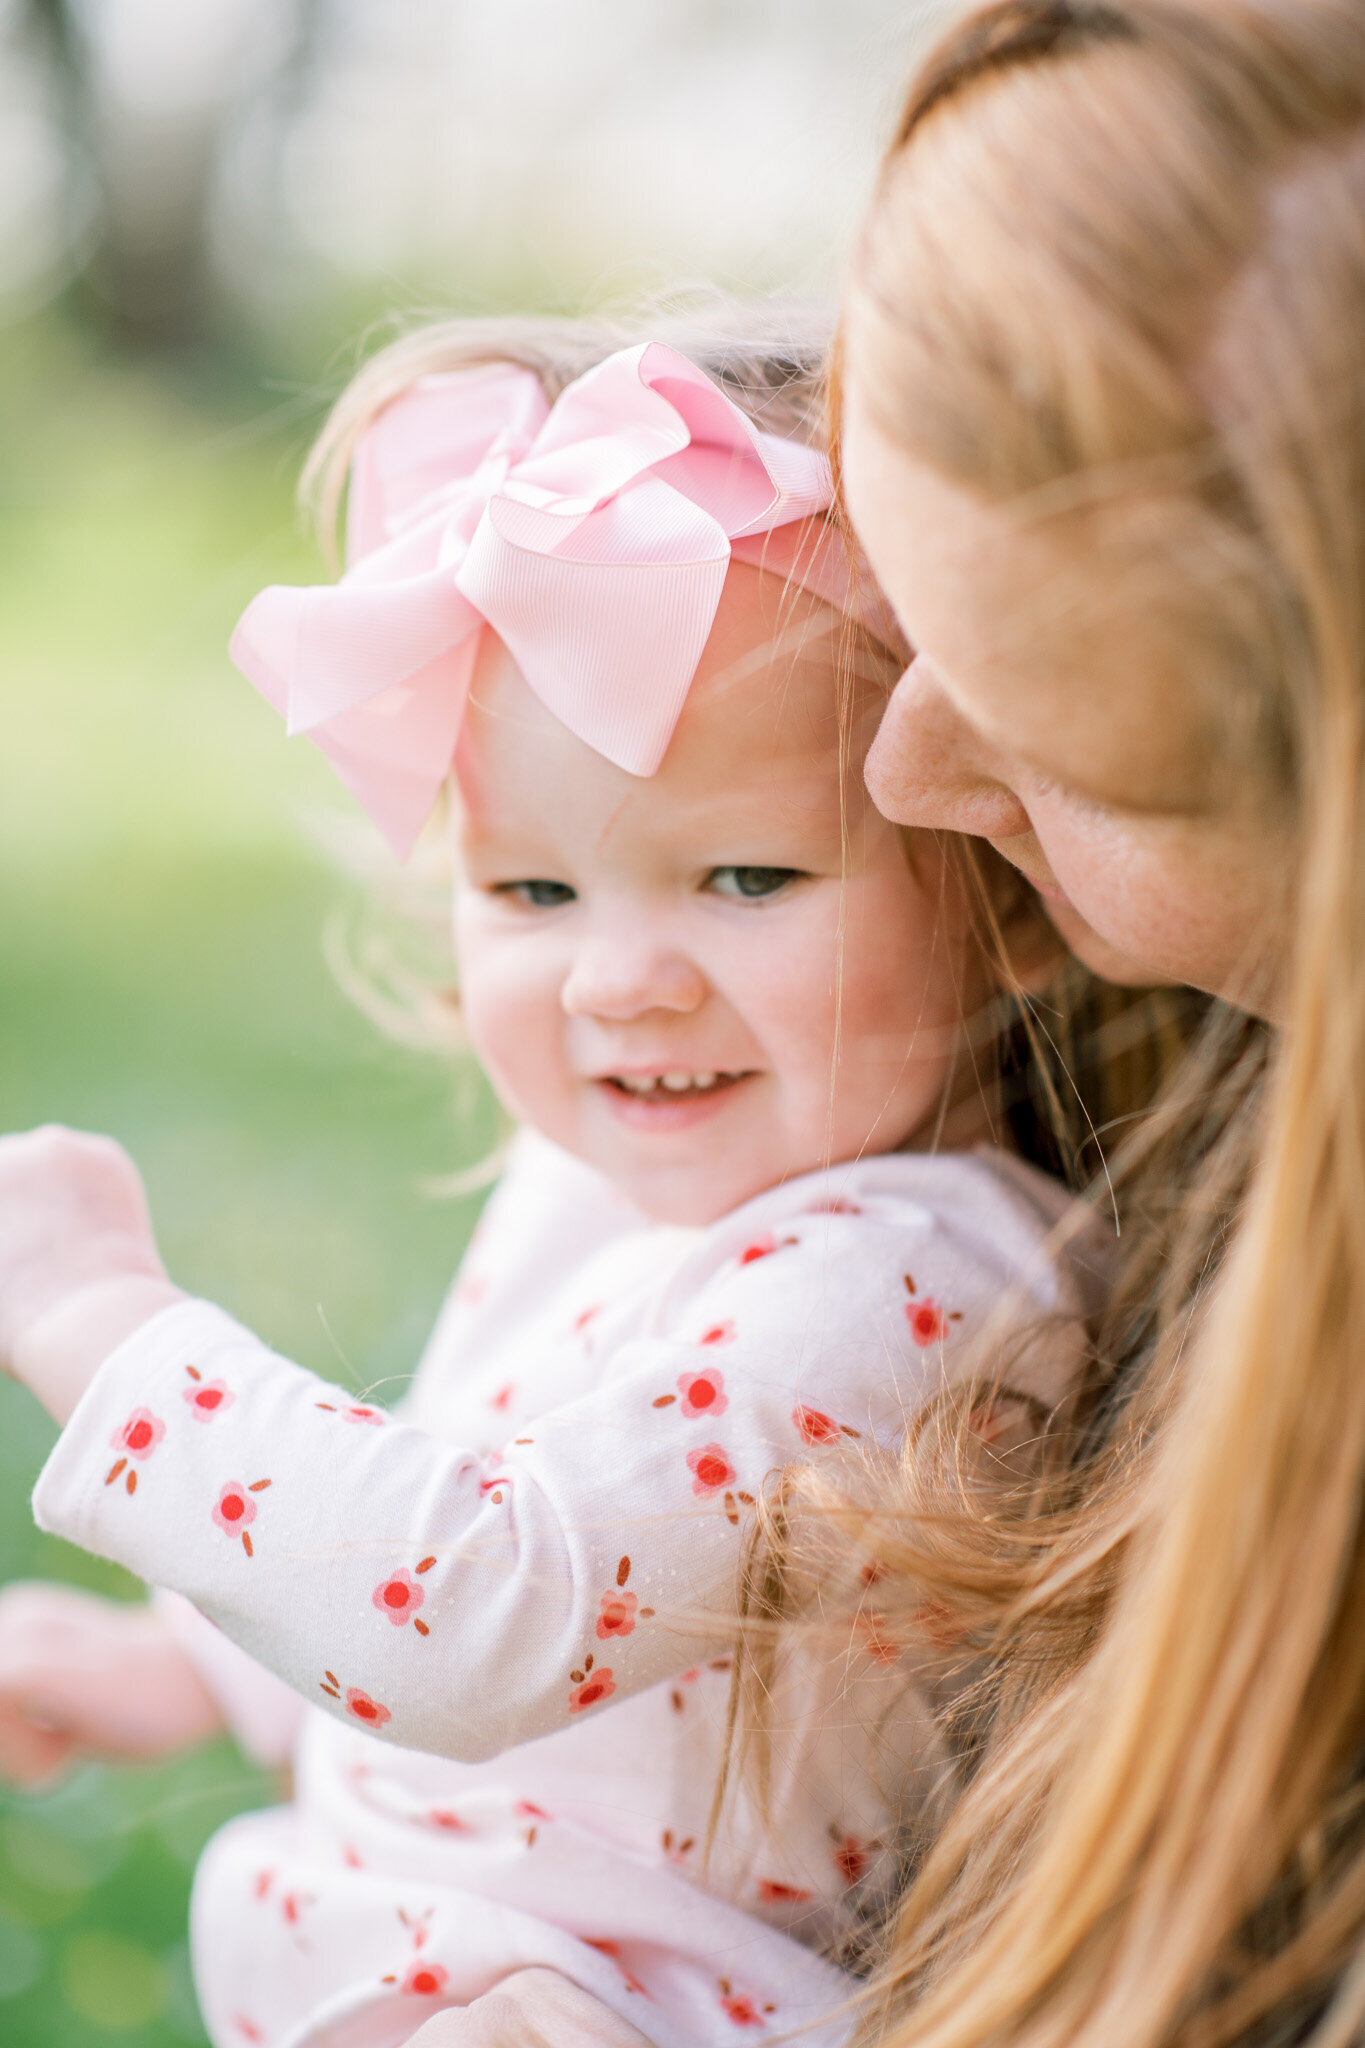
(524, 1572)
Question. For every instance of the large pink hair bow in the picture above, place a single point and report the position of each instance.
(593, 536)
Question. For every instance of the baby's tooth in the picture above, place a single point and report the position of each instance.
(704, 1081)
(676, 1083)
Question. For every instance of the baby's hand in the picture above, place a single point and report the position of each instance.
(79, 1267)
(81, 1676)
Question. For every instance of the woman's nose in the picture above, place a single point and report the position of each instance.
(619, 979)
(927, 766)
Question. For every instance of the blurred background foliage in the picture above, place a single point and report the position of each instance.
(202, 206)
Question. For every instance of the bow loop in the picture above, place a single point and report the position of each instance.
(593, 536)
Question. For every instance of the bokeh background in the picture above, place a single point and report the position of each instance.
(209, 209)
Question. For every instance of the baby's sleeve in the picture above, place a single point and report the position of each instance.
(457, 1603)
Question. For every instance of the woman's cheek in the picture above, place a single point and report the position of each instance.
(1130, 892)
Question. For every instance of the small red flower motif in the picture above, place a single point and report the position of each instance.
(365, 1709)
(361, 1412)
(927, 1320)
(399, 1597)
(703, 1393)
(711, 1469)
(526, 1809)
(850, 1859)
(442, 1817)
(502, 1400)
(880, 1647)
(209, 1398)
(140, 1434)
(234, 1508)
(618, 1615)
(741, 2010)
(425, 1980)
(813, 1427)
(599, 1686)
(719, 1333)
(763, 1247)
(774, 1894)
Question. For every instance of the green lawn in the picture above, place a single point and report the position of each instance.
(162, 903)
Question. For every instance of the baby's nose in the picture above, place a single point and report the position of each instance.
(619, 981)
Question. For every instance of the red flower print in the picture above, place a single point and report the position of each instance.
(813, 1427)
(360, 1411)
(248, 2029)
(850, 1859)
(599, 1685)
(719, 1333)
(442, 1817)
(703, 1393)
(399, 1597)
(140, 1434)
(711, 1469)
(526, 1809)
(774, 1894)
(740, 2009)
(927, 1320)
(365, 1709)
(618, 1615)
(425, 1980)
(882, 1648)
(763, 1247)
(209, 1398)
(234, 1510)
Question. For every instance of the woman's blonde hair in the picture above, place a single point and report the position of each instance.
(1114, 276)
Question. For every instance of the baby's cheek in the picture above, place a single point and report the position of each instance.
(508, 1018)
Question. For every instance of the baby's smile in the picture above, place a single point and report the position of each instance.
(710, 980)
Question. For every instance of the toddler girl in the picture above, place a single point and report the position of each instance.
(721, 997)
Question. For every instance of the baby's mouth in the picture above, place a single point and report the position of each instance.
(678, 1085)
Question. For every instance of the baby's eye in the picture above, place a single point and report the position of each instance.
(750, 885)
(537, 894)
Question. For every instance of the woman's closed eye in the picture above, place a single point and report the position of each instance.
(751, 884)
(536, 893)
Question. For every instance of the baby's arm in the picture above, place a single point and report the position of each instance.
(461, 1604)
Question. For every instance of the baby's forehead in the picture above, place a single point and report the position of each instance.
(765, 695)
(769, 673)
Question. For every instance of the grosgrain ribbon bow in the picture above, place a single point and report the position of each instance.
(593, 536)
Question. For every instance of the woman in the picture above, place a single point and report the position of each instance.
(1104, 440)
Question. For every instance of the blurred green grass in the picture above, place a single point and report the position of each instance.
(161, 978)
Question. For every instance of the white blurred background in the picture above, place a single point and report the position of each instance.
(191, 158)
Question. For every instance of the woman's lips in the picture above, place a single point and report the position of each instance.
(668, 1109)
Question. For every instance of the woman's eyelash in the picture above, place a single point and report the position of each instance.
(537, 892)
